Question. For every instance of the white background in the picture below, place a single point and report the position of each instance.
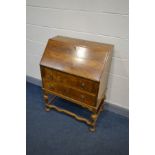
(13, 71)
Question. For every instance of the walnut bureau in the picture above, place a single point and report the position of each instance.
(76, 70)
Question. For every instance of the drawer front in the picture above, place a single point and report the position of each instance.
(70, 80)
(71, 93)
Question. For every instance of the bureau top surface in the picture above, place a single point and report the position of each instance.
(75, 56)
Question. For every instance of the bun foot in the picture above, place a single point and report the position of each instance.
(92, 129)
(47, 109)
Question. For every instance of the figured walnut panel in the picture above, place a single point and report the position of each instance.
(52, 75)
(77, 57)
(72, 93)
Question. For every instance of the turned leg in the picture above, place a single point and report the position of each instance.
(46, 102)
(93, 124)
(95, 115)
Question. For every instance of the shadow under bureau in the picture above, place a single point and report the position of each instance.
(76, 70)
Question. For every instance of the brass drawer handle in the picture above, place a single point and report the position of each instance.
(82, 84)
(82, 96)
(51, 85)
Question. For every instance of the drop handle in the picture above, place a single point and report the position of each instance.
(82, 84)
(82, 96)
(51, 85)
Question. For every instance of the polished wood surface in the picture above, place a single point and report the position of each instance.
(78, 57)
(54, 76)
(76, 70)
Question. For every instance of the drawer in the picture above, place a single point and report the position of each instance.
(51, 75)
(71, 93)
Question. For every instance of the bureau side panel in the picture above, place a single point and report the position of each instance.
(104, 79)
